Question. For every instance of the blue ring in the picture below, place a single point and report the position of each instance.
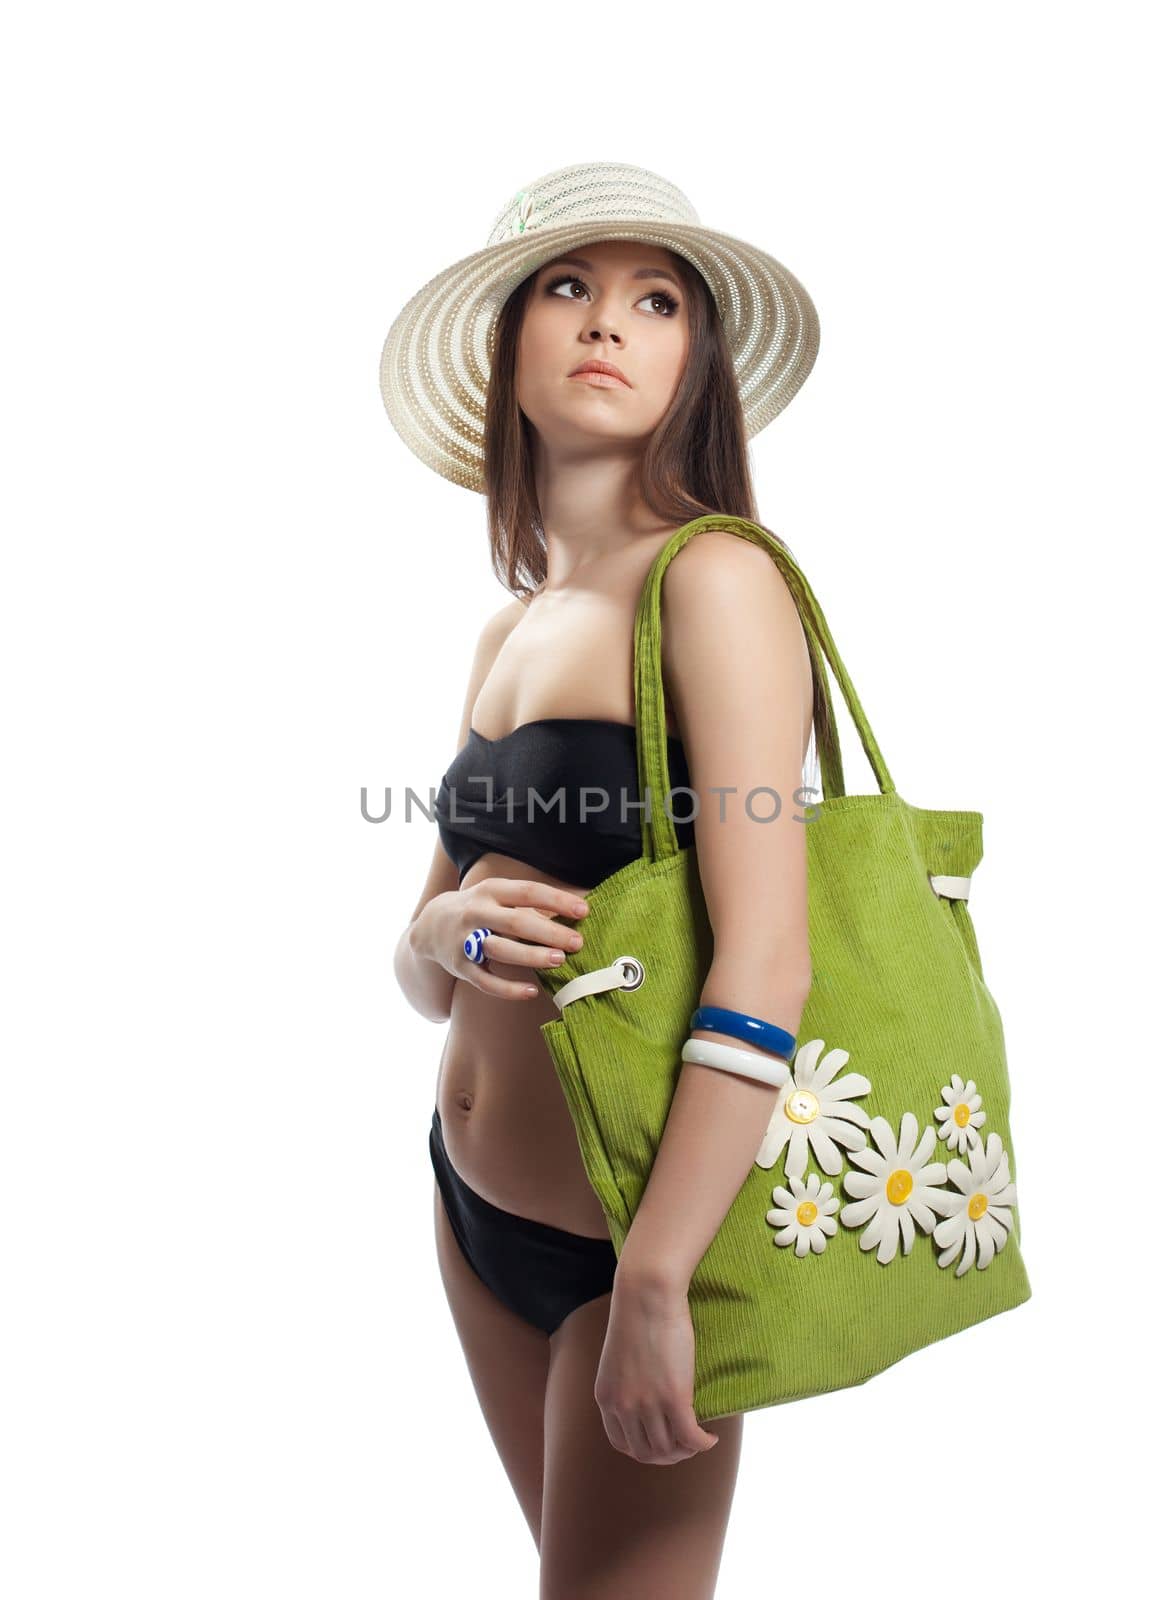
(739, 1025)
(474, 945)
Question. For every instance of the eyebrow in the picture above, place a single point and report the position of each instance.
(640, 272)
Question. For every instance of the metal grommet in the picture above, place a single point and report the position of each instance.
(633, 971)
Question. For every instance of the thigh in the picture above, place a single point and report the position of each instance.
(507, 1360)
(612, 1526)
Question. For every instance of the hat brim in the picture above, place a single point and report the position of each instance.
(437, 356)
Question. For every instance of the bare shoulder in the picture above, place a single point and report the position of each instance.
(503, 621)
(717, 556)
(721, 575)
(733, 643)
(497, 629)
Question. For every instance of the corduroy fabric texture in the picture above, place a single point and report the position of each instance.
(896, 983)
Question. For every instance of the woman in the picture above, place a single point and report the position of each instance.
(612, 415)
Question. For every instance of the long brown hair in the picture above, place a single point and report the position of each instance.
(696, 462)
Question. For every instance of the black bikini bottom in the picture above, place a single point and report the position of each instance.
(540, 1272)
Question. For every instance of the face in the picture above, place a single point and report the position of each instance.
(615, 301)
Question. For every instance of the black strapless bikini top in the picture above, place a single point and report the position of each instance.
(581, 835)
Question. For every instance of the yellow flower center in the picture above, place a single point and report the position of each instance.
(977, 1206)
(899, 1186)
(961, 1114)
(807, 1212)
(802, 1105)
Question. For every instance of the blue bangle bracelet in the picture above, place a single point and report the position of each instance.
(742, 1026)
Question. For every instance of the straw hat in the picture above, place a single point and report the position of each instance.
(436, 359)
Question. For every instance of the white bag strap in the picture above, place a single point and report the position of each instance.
(625, 972)
(950, 888)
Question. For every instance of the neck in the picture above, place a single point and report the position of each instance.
(592, 512)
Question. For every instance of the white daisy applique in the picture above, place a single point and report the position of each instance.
(978, 1207)
(960, 1117)
(897, 1189)
(803, 1215)
(813, 1113)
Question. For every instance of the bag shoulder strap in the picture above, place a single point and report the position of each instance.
(659, 835)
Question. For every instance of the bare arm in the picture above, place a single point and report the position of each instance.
(738, 673)
(427, 985)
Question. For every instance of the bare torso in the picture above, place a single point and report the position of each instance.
(506, 1124)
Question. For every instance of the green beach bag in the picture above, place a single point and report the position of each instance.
(881, 1213)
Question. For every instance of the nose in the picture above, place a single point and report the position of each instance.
(604, 325)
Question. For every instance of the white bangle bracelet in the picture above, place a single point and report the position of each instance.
(766, 1069)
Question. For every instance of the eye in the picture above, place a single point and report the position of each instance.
(562, 283)
(668, 299)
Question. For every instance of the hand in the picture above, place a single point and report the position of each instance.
(644, 1385)
(519, 911)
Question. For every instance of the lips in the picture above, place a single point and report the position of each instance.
(604, 368)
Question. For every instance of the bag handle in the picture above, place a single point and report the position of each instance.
(657, 832)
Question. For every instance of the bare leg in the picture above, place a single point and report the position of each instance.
(614, 1528)
(507, 1360)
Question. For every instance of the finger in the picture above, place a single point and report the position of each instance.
(533, 894)
(614, 1431)
(657, 1430)
(637, 1437)
(688, 1431)
(513, 953)
(673, 1451)
(529, 928)
(481, 976)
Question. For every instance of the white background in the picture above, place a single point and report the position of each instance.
(231, 598)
